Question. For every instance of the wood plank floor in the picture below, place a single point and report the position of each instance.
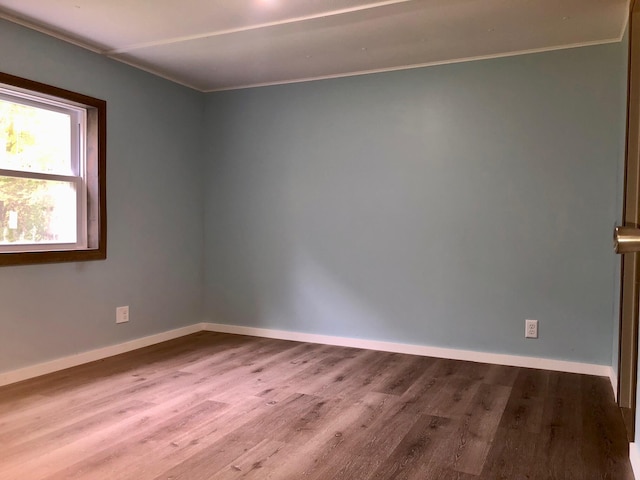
(216, 406)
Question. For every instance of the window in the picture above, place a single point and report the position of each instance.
(52, 174)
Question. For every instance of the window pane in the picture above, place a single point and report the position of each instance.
(37, 211)
(34, 139)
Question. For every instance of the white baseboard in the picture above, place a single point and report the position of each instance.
(423, 350)
(634, 457)
(85, 357)
(613, 377)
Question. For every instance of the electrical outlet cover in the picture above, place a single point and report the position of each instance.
(122, 314)
(531, 329)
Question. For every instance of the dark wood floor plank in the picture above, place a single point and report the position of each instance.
(453, 399)
(512, 456)
(446, 388)
(309, 423)
(255, 463)
(92, 396)
(268, 372)
(405, 375)
(345, 378)
(62, 411)
(23, 453)
(565, 385)
(58, 457)
(122, 460)
(477, 428)
(416, 398)
(559, 444)
(205, 449)
(327, 447)
(125, 377)
(230, 433)
(216, 406)
(366, 449)
(203, 467)
(341, 451)
(279, 421)
(26, 443)
(602, 429)
(501, 375)
(72, 379)
(323, 372)
(337, 444)
(532, 383)
(523, 413)
(422, 453)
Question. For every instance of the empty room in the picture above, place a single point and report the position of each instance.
(286, 239)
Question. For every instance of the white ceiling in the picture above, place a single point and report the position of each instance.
(222, 44)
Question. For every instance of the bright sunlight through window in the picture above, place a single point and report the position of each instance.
(51, 174)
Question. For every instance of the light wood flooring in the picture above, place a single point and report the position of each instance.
(216, 406)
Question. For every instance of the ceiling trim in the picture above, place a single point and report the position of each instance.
(286, 21)
(157, 73)
(111, 55)
(48, 31)
(421, 65)
(65, 38)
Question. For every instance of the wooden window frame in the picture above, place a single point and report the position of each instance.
(96, 166)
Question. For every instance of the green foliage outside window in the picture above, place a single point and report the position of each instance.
(27, 201)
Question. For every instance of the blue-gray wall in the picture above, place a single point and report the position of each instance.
(440, 206)
(155, 213)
